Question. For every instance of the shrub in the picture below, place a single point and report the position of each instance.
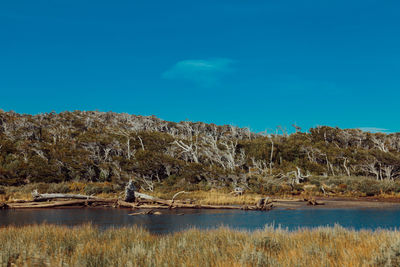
(315, 181)
(272, 187)
(369, 187)
(94, 189)
(58, 188)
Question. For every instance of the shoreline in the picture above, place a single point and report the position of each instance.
(279, 203)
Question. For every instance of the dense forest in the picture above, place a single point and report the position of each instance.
(106, 146)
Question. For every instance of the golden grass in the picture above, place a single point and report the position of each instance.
(48, 245)
(214, 197)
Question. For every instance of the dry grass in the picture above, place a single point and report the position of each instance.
(48, 245)
(214, 197)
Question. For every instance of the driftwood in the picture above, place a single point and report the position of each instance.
(148, 203)
(43, 197)
(141, 201)
(145, 196)
(47, 205)
(54, 204)
(149, 212)
(188, 206)
(124, 204)
(313, 202)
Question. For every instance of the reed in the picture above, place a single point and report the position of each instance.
(49, 245)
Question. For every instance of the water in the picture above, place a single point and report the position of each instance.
(388, 218)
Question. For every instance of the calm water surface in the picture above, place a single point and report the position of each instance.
(388, 218)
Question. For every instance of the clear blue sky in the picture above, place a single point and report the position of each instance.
(249, 63)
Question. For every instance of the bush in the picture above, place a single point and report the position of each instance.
(369, 187)
(272, 187)
(58, 188)
(94, 189)
(315, 181)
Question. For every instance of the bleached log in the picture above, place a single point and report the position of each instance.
(62, 203)
(145, 196)
(47, 205)
(149, 212)
(177, 194)
(42, 197)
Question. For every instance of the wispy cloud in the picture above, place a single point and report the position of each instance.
(204, 73)
(374, 129)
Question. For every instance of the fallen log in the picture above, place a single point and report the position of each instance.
(124, 204)
(54, 204)
(187, 206)
(43, 197)
(46, 205)
(142, 201)
(150, 212)
(314, 202)
(145, 196)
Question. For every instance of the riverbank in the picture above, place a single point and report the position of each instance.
(48, 245)
(111, 193)
(15, 198)
(326, 187)
(285, 204)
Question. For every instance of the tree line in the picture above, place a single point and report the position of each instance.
(107, 146)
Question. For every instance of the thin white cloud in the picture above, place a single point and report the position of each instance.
(204, 73)
(374, 129)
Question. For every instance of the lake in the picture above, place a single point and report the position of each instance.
(170, 221)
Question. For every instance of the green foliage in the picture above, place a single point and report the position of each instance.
(110, 147)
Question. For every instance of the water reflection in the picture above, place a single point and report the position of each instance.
(171, 221)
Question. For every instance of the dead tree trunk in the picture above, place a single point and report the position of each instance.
(130, 192)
